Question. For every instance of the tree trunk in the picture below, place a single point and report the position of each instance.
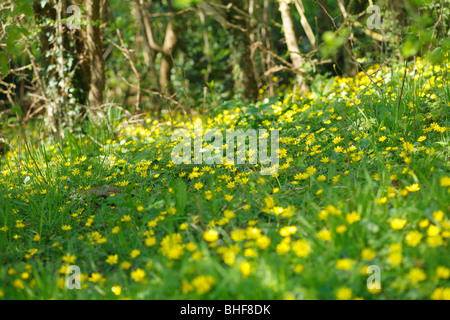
(95, 49)
(305, 23)
(165, 69)
(291, 42)
(241, 43)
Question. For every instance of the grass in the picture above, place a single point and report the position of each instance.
(363, 181)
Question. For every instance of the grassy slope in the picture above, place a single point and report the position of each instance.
(363, 180)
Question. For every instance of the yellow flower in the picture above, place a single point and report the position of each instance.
(424, 223)
(352, 217)
(186, 287)
(382, 200)
(112, 259)
(95, 277)
(441, 294)
(245, 268)
(413, 188)
(341, 228)
(263, 242)
(125, 265)
(203, 284)
(66, 227)
(343, 264)
(135, 253)
(117, 290)
(301, 248)
(270, 203)
(140, 208)
(288, 230)
(443, 272)
(229, 214)
(211, 235)
(368, 254)
(283, 247)
(138, 275)
(150, 241)
(172, 246)
(69, 258)
(364, 270)
(250, 253)
(324, 235)
(299, 268)
(435, 241)
(395, 258)
(416, 275)
(398, 224)
(445, 181)
(126, 218)
(438, 215)
(18, 284)
(198, 185)
(374, 290)
(413, 238)
(238, 235)
(344, 293)
(433, 230)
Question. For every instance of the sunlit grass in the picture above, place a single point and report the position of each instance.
(363, 180)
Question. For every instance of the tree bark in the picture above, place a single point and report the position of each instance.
(165, 68)
(305, 23)
(95, 49)
(241, 43)
(291, 42)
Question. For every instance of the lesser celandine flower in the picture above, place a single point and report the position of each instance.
(203, 284)
(301, 248)
(413, 188)
(211, 235)
(413, 238)
(117, 290)
(344, 293)
(445, 182)
(368, 254)
(398, 224)
(443, 272)
(441, 294)
(416, 275)
(324, 235)
(245, 268)
(112, 259)
(343, 264)
(138, 275)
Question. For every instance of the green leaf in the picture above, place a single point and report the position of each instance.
(409, 49)
(4, 63)
(181, 196)
(436, 56)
